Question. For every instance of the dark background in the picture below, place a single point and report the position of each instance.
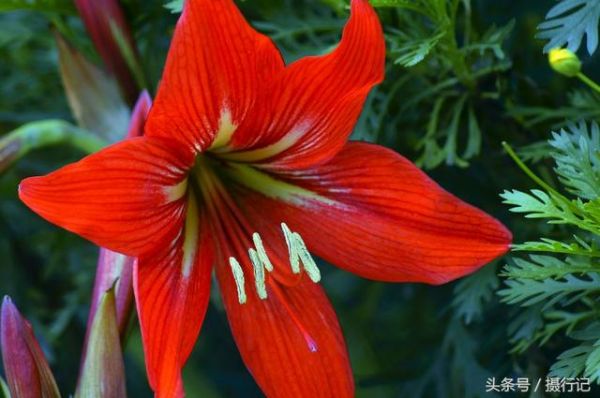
(405, 339)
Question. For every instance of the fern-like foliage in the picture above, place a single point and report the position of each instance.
(578, 247)
(581, 104)
(577, 159)
(443, 61)
(560, 285)
(568, 22)
(410, 48)
(175, 6)
(471, 293)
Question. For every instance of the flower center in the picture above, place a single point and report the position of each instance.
(239, 244)
(239, 247)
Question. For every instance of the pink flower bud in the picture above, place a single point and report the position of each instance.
(27, 372)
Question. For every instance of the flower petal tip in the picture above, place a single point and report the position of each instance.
(27, 193)
(22, 191)
(499, 235)
(144, 101)
(8, 309)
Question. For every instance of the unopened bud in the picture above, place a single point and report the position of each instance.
(564, 61)
(102, 372)
(107, 26)
(26, 369)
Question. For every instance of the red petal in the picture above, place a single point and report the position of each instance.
(306, 113)
(172, 290)
(379, 216)
(215, 64)
(291, 342)
(126, 197)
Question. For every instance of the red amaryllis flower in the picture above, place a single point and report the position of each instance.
(235, 144)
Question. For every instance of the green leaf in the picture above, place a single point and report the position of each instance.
(412, 50)
(57, 6)
(4, 389)
(578, 248)
(582, 104)
(568, 22)
(527, 292)
(175, 6)
(472, 292)
(577, 150)
(474, 137)
(571, 363)
(433, 153)
(492, 40)
(540, 267)
(524, 327)
(537, 204)
(535, 152)
(582, 360)
(592, 363)
(436, 10)
(555, 207)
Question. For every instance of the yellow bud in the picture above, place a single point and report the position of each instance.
(564, 61)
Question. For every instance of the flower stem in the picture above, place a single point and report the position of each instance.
(34, 135)
(524, 167)
(592, 84)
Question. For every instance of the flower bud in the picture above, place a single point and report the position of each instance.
(93, 95)
(102, 372)
(564, 61)
(27, 372)
(106, 24)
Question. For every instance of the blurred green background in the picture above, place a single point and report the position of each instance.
(404, 339)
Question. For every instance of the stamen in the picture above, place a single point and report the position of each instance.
(289, 241)
(298, 254)
(238, 276)
(262, 254)
(309, 264)
(259, 274)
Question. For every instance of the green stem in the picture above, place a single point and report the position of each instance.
(526, 169)
(592, 84)
(34, 135)
(455, 55)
